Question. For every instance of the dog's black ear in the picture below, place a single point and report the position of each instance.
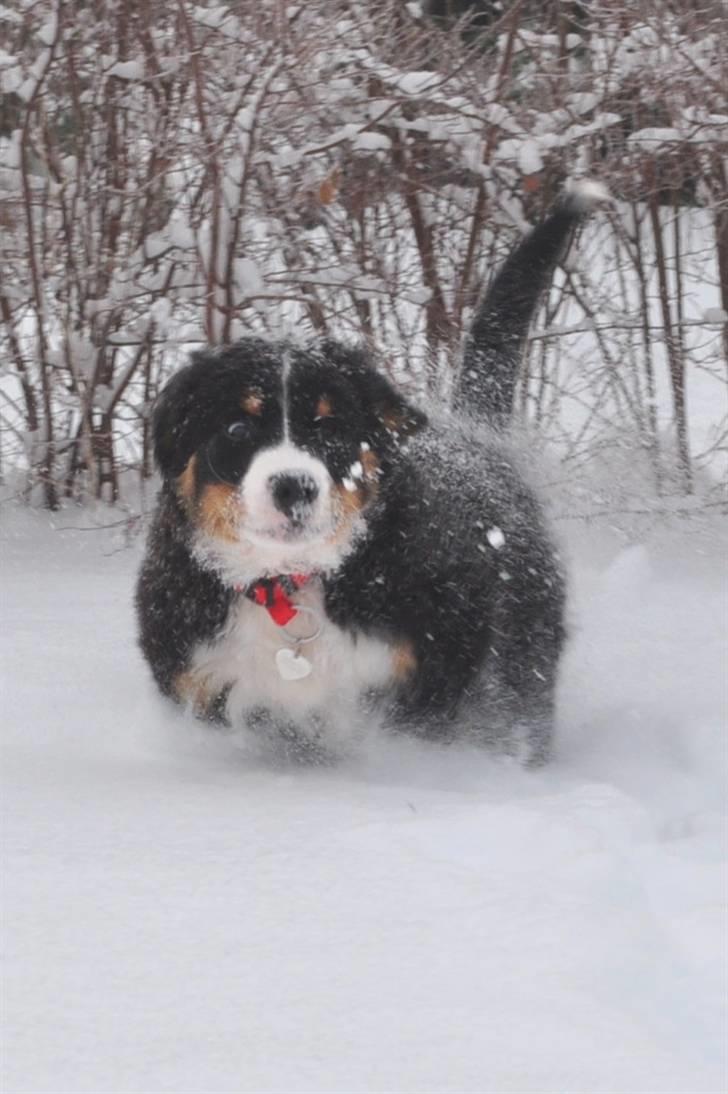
(391, 416)
(175, 411)
(390, 410)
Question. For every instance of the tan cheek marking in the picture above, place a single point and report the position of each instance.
(187, 482)
(349, 503)
(196, 689)
(252, 403)
(323, 407)
(370, 462)
(347, 506)
(219, 511)
(404, 661)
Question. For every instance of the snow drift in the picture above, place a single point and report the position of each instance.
(180, 916)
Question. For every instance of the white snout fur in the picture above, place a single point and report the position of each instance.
(267, 544)
(262, 519)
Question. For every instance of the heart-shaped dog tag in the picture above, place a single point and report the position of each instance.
(292, 665)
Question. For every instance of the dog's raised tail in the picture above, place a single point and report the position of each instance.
(498, 333)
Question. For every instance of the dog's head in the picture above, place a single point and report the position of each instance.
(276, 452)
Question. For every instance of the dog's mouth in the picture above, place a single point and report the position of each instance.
(245, 546)
(296, 532)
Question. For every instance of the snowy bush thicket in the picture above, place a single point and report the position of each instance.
(185, 172)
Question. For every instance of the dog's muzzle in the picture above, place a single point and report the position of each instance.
(287, 495)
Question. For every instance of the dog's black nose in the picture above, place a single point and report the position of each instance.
(293, 490)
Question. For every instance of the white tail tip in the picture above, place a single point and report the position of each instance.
(584, 194)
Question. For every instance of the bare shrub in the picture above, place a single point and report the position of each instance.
(181, 173)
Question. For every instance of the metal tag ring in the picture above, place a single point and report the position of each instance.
(305, 610)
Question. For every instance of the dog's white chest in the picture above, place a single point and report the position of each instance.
(265, 667)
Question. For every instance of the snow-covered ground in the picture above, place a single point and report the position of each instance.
(180, 917)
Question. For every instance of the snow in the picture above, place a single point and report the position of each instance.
(417, 83)
(588, 192)
(367, 141)
(654, 136)
(127, 70)
(180, 916)
(495, 538)
(248, 277)
(212, 17)
(530, 160)
(47, 32)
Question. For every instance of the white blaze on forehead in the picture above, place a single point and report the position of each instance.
(285, 378)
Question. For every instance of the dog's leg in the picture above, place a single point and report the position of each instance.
(291, 742)
(522, 700)
(497, 716)
(527, 635)
(497, 336)
(207, 701)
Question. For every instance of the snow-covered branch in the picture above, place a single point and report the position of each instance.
(188, 172)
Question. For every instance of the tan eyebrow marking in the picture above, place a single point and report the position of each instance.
(324, 408)
(252, 402)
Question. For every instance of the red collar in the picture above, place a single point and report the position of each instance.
(274, 594)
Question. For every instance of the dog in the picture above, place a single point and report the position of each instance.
(323, 549)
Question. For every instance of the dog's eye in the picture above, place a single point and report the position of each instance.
(238, 431)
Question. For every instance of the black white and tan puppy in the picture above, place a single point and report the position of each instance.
(320, 548)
